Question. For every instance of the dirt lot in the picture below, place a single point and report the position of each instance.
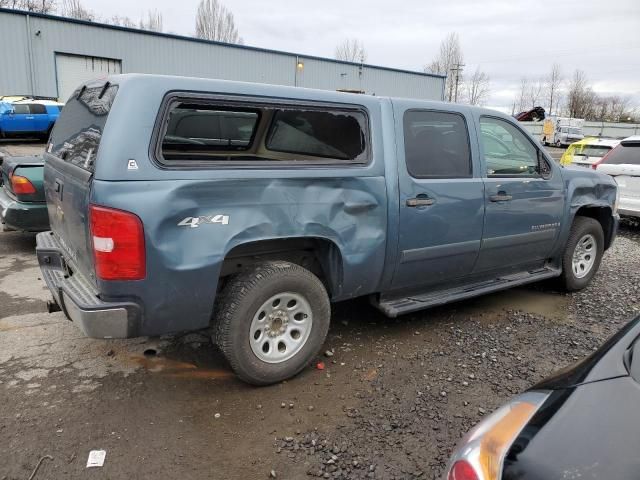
(395, 396)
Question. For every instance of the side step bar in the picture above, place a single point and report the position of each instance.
(399, 306)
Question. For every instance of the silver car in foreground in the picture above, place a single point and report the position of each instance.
(623, 164)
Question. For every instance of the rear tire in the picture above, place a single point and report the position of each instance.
(582, 254)
(272, 321)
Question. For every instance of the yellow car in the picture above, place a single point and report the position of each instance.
(587, 152)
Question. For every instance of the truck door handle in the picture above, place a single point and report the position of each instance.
(500, 197)
(420, 201)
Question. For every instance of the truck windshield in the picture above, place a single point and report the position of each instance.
(77, 133)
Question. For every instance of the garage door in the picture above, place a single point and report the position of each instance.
(73, 70)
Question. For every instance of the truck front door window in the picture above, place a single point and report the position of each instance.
(506, 150)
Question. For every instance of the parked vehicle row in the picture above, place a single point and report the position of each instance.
(22, 201)
(258, 205)
(623, 164)
(28, 117)
(588, 152)
(561, 131)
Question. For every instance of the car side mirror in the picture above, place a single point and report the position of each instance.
(544, 169)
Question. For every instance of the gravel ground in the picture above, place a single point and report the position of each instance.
(426, 395)
(393, 399)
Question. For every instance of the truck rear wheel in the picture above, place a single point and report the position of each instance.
(582, 254)
(272, 321)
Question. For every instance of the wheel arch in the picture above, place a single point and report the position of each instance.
(319, 255)
(603, 215)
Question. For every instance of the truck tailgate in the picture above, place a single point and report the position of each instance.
(69, 165)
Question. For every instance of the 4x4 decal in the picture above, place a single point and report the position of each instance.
(195, 222)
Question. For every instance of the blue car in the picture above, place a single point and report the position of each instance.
(28, 118)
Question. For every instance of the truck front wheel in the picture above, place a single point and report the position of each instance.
(582, 254)
(272, 321)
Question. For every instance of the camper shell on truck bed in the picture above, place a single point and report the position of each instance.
(178, 204)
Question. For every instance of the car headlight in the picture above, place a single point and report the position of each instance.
(480, 455)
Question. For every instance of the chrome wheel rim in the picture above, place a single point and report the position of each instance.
(280, 327)
(584, 256)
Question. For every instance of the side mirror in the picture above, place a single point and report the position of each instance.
(544, 169)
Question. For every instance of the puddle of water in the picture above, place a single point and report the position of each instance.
(177, 368)
(549, 305)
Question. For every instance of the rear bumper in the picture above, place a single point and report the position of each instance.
(79, 300)
(28, 217)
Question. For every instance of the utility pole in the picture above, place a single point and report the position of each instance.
(457, 69)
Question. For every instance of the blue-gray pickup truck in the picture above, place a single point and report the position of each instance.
(177, 204)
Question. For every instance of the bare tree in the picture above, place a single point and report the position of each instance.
(351, 50)
(477, 88)
(10, 3)
(153, 21)
(521, 100)
(121, 21)
(75, 9)
(534, 94)
(553, 84)
(36, 6)
(448, 62)
(619, 108)
(215, 22)
(581, 99)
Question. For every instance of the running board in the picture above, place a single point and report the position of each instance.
(399, 306)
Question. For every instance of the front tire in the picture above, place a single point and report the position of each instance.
(272, 321)
(583, 253)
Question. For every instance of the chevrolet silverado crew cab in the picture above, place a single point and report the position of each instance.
(177, 204)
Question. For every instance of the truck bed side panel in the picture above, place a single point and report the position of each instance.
(183, 262)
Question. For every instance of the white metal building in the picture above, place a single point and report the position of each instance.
(49, 56)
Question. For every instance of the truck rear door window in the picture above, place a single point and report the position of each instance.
(77, 133)
(436, 145)
(261, 133)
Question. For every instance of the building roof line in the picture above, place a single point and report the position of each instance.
(212, 42)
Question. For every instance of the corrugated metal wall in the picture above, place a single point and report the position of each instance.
(145, 53)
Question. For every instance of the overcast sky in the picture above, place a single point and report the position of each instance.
(509, 39)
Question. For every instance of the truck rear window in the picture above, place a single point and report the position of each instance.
(244, 133)
(77, 133)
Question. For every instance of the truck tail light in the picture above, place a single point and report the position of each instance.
(118, 244)
(21, 185)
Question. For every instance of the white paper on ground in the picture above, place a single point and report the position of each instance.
(96, 458)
